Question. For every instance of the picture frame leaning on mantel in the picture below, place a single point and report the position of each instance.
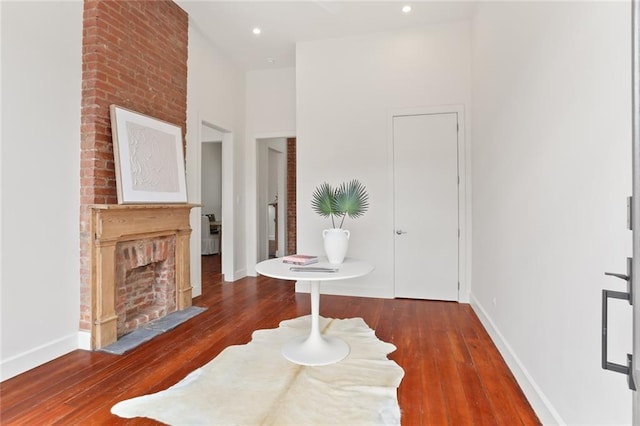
(149, 158)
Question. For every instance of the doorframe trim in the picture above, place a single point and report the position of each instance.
(252, 194)
(464, 188)
(194, 187)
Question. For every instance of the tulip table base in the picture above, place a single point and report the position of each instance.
(315, 348)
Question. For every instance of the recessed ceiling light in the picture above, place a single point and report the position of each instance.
(271, 60)
(257, 31)
(406, 8)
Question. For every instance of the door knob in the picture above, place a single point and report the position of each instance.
(400, 232)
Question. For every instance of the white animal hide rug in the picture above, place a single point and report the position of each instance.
(254, 384)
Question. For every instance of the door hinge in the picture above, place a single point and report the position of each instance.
(457, 127)
(458, 232)
(629, 213)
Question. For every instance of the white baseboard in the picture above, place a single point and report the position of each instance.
(196, 289)
(84, 340)
(32, 358)
(539, 402)
(240, 273)
(337, 289)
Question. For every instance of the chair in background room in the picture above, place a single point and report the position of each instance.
(209, 242)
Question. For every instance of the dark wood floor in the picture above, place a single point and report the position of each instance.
(453, 372)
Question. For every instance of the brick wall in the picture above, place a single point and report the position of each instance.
(291, 197)
(134, 54)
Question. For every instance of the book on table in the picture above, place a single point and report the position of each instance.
(300, 259)
(312, 269)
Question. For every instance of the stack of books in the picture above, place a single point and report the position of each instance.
(300, 259)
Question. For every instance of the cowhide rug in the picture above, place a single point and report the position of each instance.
(254, 384)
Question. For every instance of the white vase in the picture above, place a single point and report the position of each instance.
(336, 242)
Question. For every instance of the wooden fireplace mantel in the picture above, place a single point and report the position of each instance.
(114, 223)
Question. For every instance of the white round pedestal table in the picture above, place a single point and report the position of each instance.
(315, 349)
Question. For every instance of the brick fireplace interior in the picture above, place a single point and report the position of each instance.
(145, 282)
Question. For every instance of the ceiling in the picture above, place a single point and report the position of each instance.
(228, 24)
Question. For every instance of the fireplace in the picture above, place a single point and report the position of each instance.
(139, 266)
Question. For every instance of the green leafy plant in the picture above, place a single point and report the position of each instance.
(349, 199)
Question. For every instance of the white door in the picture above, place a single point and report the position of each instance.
(425, 149)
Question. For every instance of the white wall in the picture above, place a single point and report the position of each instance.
(551, 170)
(271, 102)
(216, 95)
(346, 89)
(212, 178)
(271, 113)
(40, 162)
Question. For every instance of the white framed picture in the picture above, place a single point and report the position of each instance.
(149, 159)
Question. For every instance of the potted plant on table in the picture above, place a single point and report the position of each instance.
(349, 199)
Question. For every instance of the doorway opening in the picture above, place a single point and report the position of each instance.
(211, 183)
(275, 197)
(211, 200)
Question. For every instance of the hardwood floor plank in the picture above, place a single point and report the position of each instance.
(477, 401)
(458, 346)
(452, 385)
(434, 407)
(489, 373)
(454, 375)
(410, 393)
